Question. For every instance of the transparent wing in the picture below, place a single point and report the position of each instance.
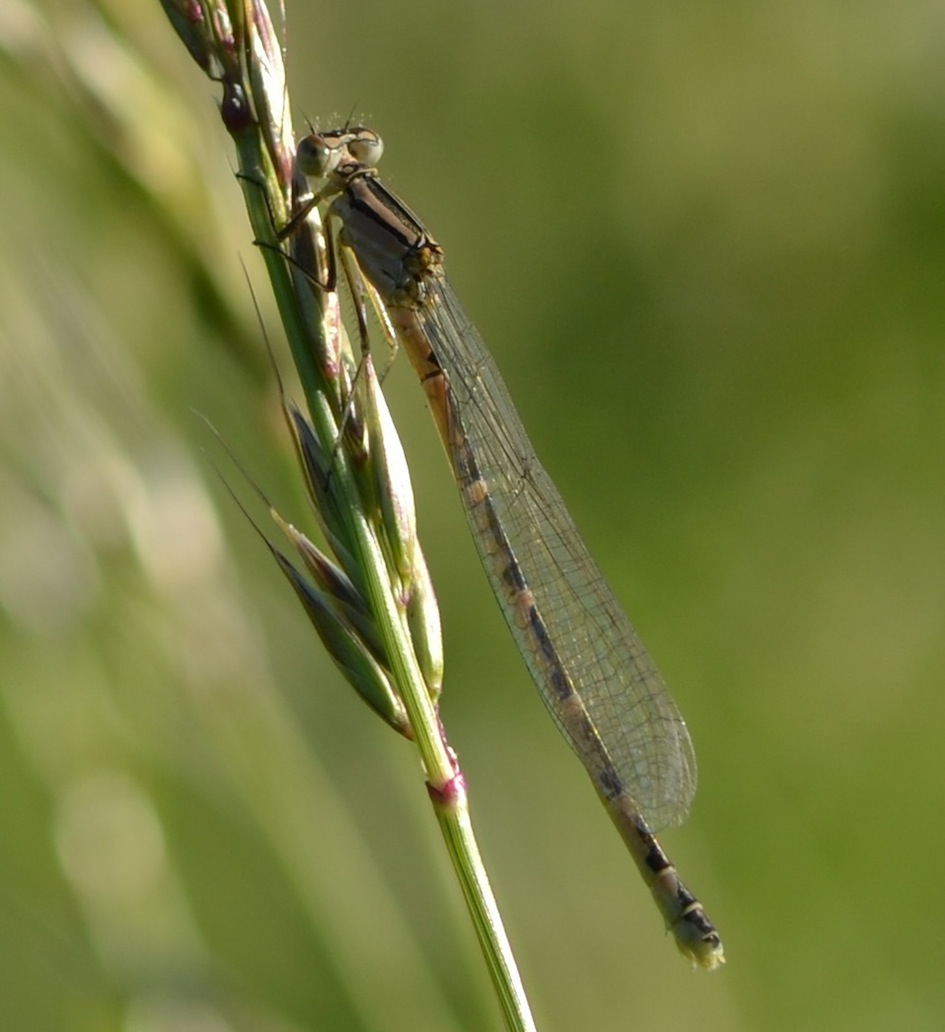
(595, 643)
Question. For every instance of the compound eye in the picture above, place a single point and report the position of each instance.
(366, 147)
(317, 156)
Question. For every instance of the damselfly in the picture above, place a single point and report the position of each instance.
(591, 668)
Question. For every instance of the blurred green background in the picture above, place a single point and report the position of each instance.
(707, 246)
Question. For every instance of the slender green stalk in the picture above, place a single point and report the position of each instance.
(371, 601)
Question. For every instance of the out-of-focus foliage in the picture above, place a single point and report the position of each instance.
(707, 247)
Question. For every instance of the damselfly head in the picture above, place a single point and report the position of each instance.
(320, 154)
